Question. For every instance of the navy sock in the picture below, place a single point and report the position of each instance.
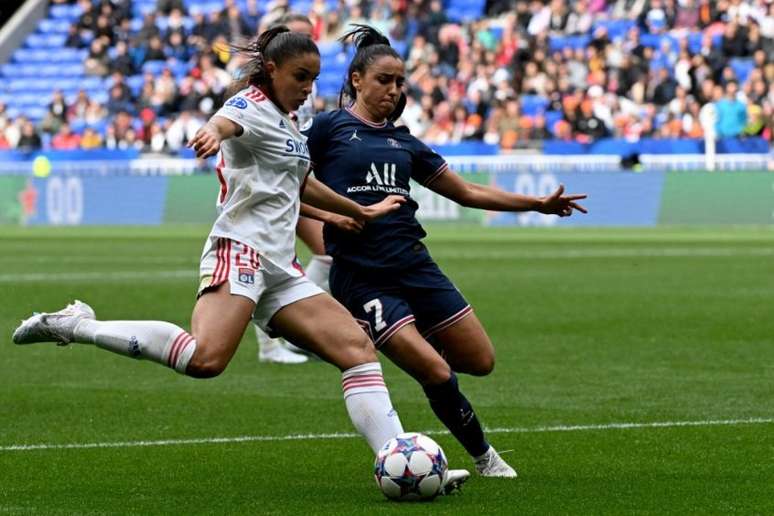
(455, 411)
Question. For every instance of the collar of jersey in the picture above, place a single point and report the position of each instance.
(286, 116)
(348, 109)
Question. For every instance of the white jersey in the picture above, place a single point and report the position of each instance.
(261, 173)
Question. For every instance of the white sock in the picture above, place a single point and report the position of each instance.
(158, 341)
(318, 270)
(368, 404)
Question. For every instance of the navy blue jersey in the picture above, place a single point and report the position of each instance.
(366, 162)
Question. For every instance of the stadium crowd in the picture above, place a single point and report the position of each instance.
(525, 72)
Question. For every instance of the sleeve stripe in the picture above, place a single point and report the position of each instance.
(443, 168)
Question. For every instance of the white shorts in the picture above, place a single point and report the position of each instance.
(225, 260)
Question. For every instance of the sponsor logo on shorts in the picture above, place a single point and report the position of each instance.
(247, 276)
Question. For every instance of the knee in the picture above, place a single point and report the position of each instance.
(436, 373)
(205, 365)
(481, 366)
(358, 349)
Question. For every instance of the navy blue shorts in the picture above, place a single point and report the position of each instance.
(383, 302)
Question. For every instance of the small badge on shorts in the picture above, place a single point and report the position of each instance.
(246, 276)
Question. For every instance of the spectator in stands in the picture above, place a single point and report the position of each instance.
(104, 30)
(154, 50)
(74, 39)
(177, 49)
(236, 27)
(65, 139)
(88, 19)
(117, 103)
(164, 93)
(98, 61)
(252, 16)
(30, 139)
(95, 114)
(166, 6)
(665, 89)
(732, 113)
(122, 62)
(58, 107)
(77, 110)
(149, 29)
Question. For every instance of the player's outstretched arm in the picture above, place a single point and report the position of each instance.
(208, 138)
(320, 196)
(486, 197)
(342, 222)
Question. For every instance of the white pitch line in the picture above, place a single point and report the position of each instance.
(349, 435)
(63, 277)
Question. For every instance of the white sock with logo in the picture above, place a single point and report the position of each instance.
(368, 404)
(318, 270)
(158, 341)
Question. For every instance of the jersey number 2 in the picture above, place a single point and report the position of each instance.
(376, 306)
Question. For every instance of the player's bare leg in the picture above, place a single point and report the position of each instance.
(279, 350)
(321, 325)
(219, 320)
(468, 349)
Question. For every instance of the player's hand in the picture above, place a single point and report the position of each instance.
(562, 205)
(345, 223)
(206, 142)
(383, 207)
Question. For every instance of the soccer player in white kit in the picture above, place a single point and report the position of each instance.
(248, 269)
(309, 229)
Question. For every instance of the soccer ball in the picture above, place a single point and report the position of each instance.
(410, 467)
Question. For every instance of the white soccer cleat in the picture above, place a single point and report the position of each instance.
(490, 464)
(53, 327)
(454, 480)
(279, 354)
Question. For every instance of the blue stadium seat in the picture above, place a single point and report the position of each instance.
(54, 25)
(154, 67)
(65, 12)
(46, 40)
(532, 105)
(742, 68)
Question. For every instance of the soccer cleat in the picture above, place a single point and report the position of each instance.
(454, 480)
(278, 354)
(53, 327)
(490, 464)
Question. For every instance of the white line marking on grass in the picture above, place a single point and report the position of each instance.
(350, 435)
(708, 252)
(63, 277)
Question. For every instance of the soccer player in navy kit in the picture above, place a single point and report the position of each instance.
(385, 275)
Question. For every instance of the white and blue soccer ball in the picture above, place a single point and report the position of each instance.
(410, 466)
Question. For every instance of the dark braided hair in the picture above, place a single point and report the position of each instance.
(276, 44)
(370, 44)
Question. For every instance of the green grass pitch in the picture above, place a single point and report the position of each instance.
(635, 374)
